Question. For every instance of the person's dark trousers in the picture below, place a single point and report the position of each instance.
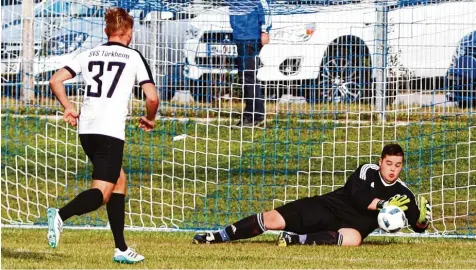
(248, 50)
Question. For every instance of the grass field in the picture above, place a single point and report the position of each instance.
(28, 248)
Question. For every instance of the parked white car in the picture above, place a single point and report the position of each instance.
(63, 29)
(330, 53)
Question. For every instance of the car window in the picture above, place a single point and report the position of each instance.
(10, 2)
(184, 15)
(176, 15)
(16, 2)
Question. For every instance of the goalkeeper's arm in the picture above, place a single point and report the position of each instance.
(418, 217)
(424, 217)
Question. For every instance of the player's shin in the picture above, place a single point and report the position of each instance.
(246, 228)
(115, 213)
(83, 203)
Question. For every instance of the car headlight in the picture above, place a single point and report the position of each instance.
(64, 44)
(296, 33)
(192, 32)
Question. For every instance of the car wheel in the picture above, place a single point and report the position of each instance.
(345, 74)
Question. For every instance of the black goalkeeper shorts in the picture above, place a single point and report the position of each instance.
(105, 152)
(308, 215)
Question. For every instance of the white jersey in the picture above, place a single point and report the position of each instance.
(110, 72)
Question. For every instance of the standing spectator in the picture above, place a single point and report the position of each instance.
(251, 22)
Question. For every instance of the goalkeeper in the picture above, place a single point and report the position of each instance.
(344, 217)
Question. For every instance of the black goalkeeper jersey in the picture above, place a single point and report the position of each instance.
(349, 203)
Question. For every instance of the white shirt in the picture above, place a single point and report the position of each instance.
(110, 72)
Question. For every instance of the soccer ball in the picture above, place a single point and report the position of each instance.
(391, 219)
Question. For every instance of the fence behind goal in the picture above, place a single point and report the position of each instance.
(340, 80)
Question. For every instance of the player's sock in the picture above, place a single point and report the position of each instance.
(246, 228)
(116, 214)
(321, 238)
(85, 202)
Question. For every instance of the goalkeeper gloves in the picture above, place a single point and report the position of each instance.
(425, 212)
(397, 200)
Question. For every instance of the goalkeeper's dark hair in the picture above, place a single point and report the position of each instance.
(392, 149)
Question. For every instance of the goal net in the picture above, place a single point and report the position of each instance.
(339, 80)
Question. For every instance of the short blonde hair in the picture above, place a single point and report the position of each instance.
(118, 21)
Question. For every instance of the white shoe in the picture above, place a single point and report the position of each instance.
(55, 227)
(129, 256)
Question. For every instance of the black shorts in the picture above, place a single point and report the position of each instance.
(105, 152)
(308, 215)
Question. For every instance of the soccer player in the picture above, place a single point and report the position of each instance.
(344, 217)
(110, 71)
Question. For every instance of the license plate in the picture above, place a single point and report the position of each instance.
(222, 49)
(10, 68)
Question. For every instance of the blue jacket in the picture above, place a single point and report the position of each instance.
(249, 18)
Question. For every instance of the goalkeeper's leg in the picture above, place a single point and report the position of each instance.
(343, 237)
(300, 216)
(248, 227)
(297, 216)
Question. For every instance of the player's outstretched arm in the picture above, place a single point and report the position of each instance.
(151, 104)
(57, 87)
